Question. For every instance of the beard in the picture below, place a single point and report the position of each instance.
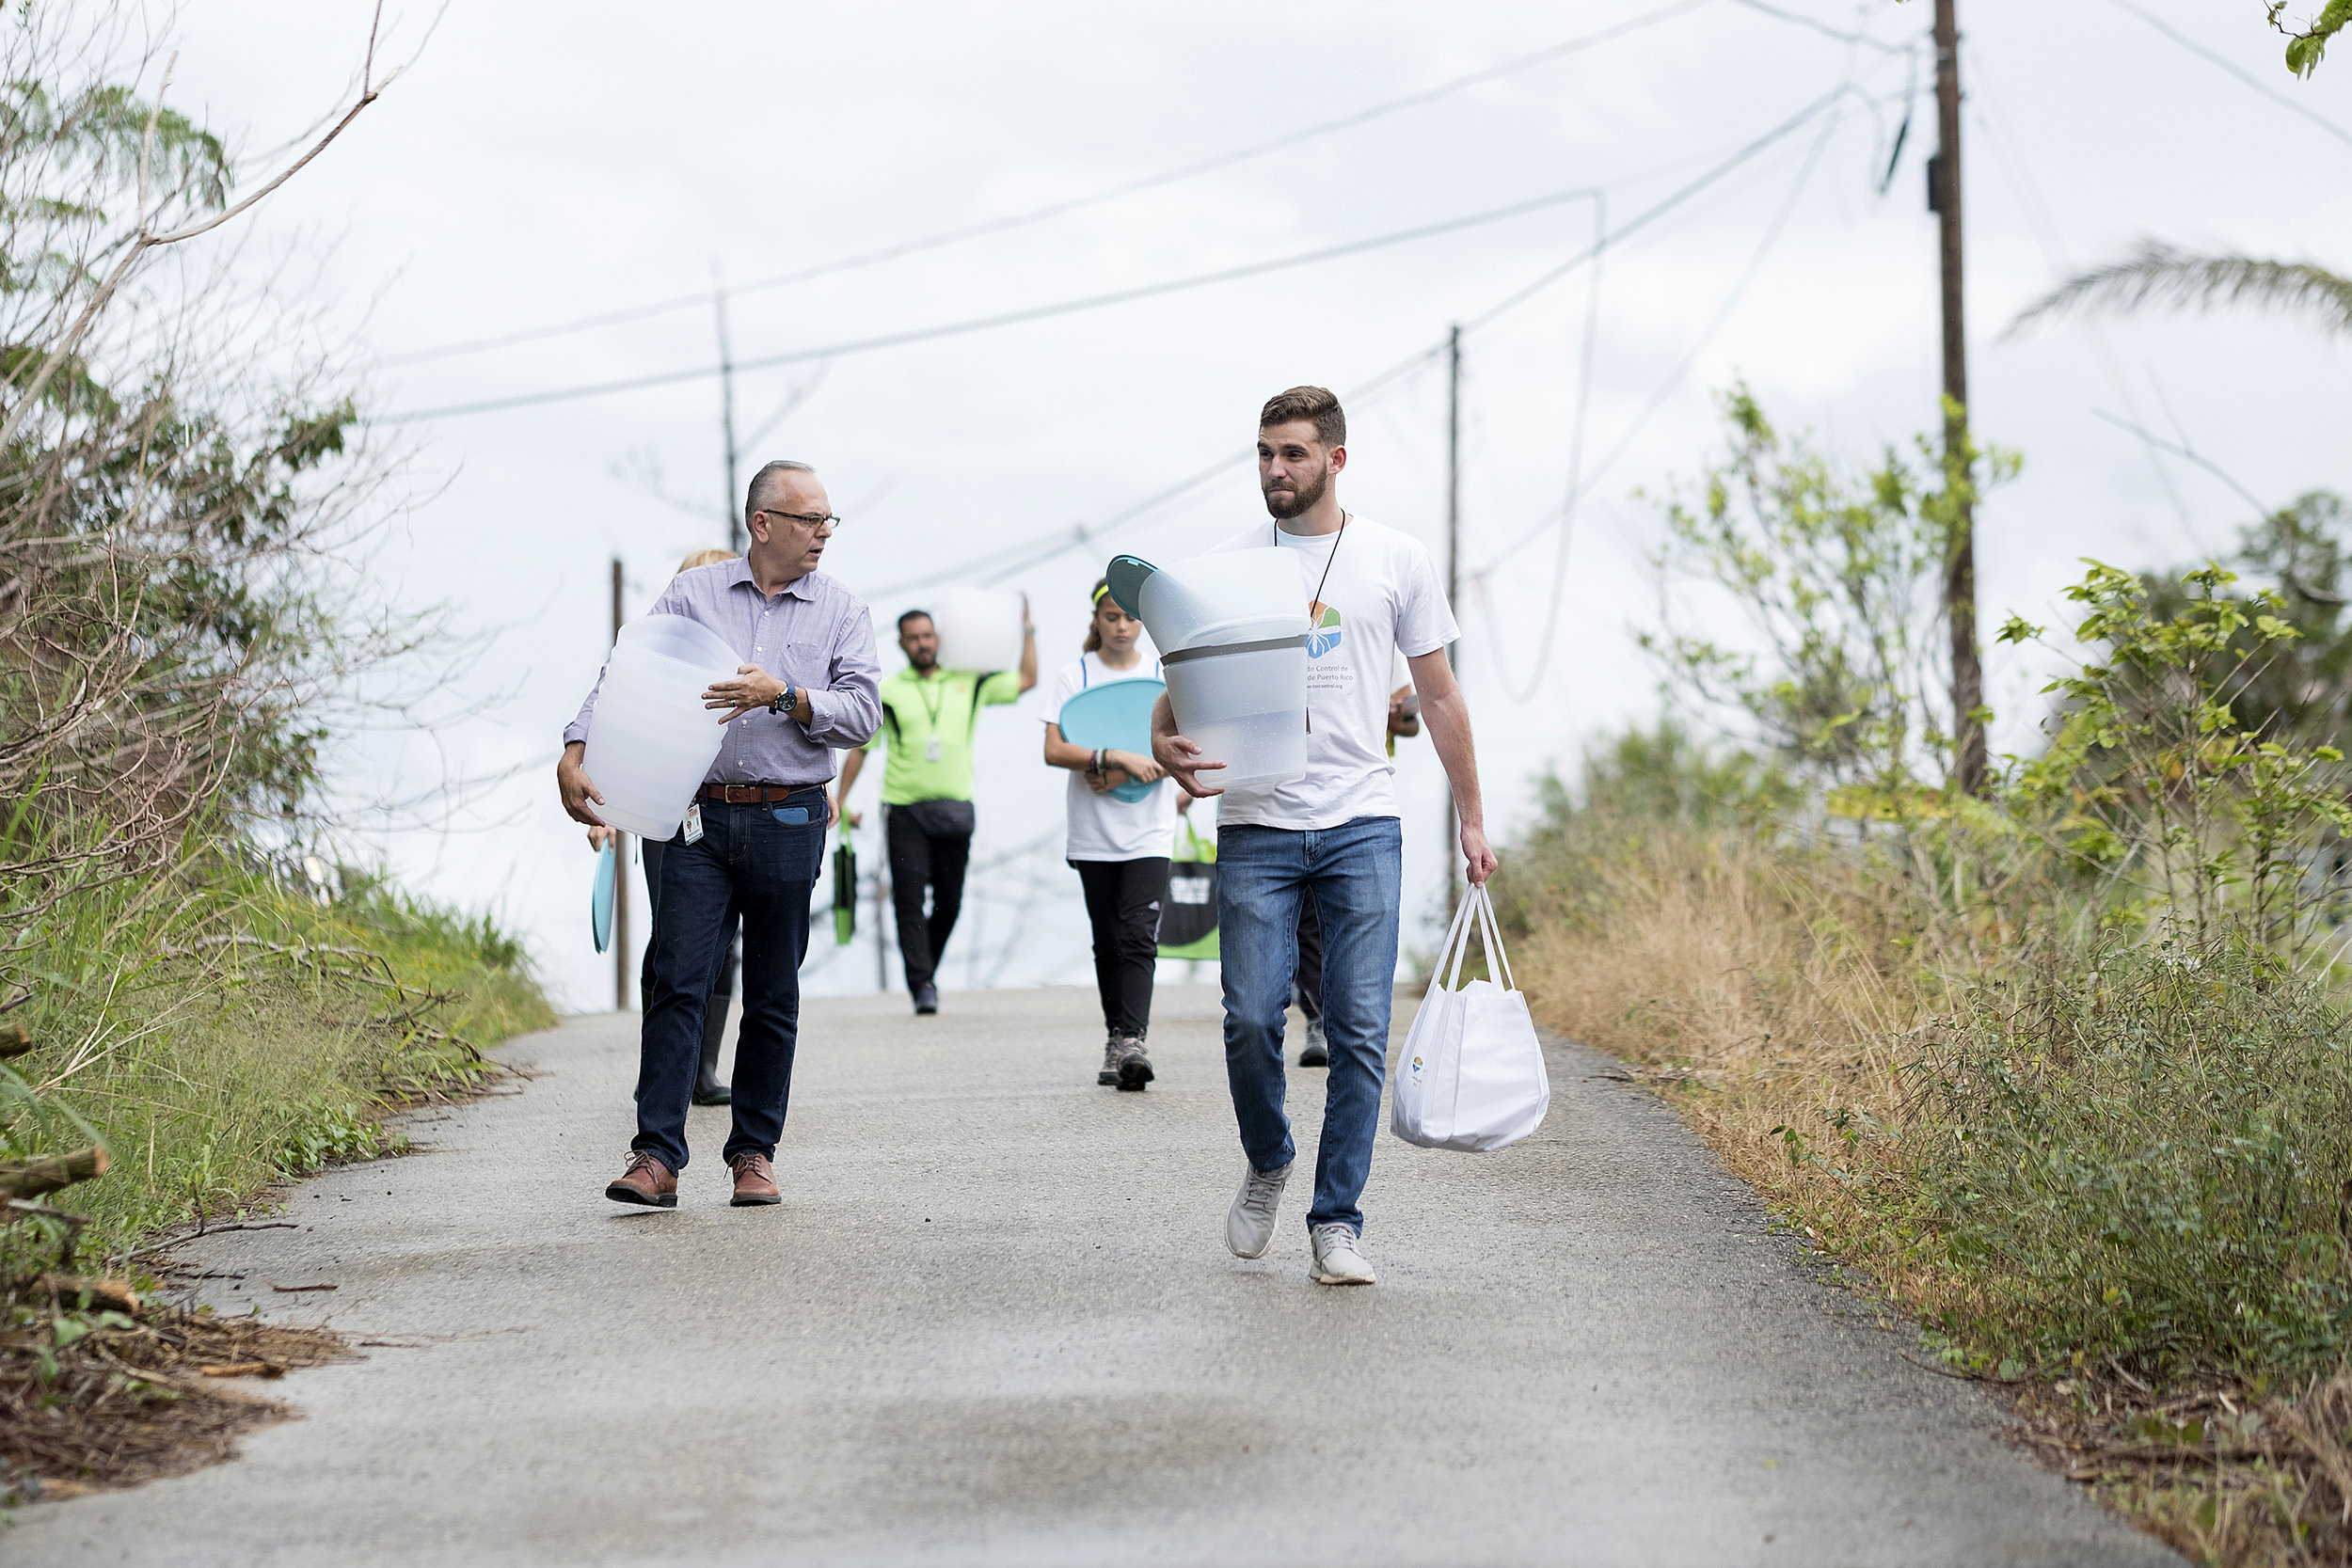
(1291, 503)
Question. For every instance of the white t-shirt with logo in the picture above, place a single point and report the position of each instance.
(1382, 600)
(1104, 827)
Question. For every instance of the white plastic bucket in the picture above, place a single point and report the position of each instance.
(1246, 709)
(1232, 628)
(650, 739)
(1194, 601)
(979, 628)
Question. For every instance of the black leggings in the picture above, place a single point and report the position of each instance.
(1123, 902)
(1307, 989)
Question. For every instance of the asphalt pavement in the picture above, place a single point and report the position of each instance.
(994, 1322)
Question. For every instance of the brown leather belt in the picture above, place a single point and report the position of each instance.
(744, 795)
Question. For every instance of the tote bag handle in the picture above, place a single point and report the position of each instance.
(1478, 907)
(1456, 946)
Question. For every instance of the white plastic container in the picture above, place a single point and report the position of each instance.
(979, 628)
(1231, 632)
(650, 739)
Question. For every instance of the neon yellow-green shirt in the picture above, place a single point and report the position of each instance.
(928, 725)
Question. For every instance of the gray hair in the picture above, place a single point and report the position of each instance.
(761, 480)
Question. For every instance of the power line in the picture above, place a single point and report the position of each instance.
(1038, 550)
(1565, 518)
(2235, 69)
(1801, 20)
(1007, 318)
(1058, 209)
(994, 567)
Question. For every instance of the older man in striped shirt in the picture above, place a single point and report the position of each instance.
(809, 683)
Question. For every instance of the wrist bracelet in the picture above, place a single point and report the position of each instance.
(1095, 764)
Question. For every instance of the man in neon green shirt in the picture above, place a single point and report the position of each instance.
(928, 715)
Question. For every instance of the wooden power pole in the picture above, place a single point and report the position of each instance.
(620, 857)
(1959, 565)
(1453, 560)
(735, 521)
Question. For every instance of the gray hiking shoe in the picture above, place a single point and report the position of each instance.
(1134, 1067)
(1338, 1261)
(1114, 1052)
(1317, 1052)
(1250, 1223)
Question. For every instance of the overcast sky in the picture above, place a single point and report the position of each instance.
(543, 162)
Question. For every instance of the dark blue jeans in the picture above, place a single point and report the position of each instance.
(749, 863)
(1356, 873)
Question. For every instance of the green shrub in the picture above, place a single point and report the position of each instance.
(2148, 1159)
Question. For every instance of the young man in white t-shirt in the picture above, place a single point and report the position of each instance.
(1333, 834)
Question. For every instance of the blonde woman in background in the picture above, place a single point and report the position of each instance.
(707, 1089)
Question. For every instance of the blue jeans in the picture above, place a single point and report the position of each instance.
(750, 863)
(1356, 872)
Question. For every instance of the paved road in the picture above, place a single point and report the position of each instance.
(995, 1323)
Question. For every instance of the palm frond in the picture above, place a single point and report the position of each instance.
(2157, 274)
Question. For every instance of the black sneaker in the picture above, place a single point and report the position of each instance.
(926, 1001)
(1315, 1052)
(1134, 1067)
(1114, 1051)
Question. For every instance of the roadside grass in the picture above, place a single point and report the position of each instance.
(218, 1032)
(2112, 1175)
(221, 1032)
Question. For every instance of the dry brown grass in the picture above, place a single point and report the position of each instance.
(1761, 988)
(100, 1399)
(1756, 988)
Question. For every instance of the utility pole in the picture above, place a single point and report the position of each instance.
(1960, 563)
(733, 510)
(1453, 562)
(620, 857)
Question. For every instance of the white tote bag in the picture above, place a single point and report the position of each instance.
(1471, 1074)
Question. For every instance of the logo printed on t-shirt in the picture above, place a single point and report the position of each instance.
(1325, 636)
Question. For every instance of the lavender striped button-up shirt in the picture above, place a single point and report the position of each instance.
(813, 632)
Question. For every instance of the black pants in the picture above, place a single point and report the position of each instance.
(930, 842)
(1123, 902)
(1307, 986)
(749, 862)
(722, 991)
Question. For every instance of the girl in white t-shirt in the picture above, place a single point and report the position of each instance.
(1119, 849)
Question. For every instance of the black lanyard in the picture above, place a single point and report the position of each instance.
(1336, 542)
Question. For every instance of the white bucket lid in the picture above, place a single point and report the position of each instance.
(684, 639)
(1198, 600)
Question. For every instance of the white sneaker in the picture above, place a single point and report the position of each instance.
(1337, 1262)
(1250, 1223)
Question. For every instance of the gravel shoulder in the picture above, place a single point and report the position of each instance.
(993, 1321)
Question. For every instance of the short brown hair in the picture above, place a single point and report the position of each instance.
(1308, 403)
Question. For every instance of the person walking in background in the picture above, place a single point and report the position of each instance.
(928, 717)
(1333, 834)
(1119, 849)
(1307, 991)
(752, 842)
(709, 1090)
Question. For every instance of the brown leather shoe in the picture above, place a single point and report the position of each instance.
(754, 1180)
(647, 1181)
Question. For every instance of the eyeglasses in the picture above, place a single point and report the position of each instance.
(811, 518)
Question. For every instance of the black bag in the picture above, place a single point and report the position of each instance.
(844, 890)
(1188, 914)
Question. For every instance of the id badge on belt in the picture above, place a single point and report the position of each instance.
(694, 823)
